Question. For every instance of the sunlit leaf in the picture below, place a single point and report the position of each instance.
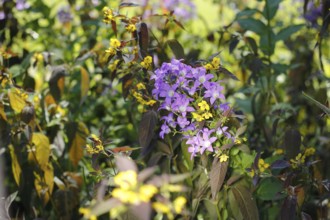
(78, 142)
(217, 176)
(2, 112)
(40, 151)
(17, 102)
(16, 168)
(84, 84)
(56, 82)
(44, 183)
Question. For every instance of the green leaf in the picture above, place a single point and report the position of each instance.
(84, 84)
(285, 33)
(271, 8)
(248, 12)
(269, 189)
(252, 24)
(176, 48)
(217, 176)
(246, 203)
(267, 42)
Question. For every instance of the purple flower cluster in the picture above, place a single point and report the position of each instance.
(188, 96)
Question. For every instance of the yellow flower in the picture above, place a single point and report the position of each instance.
(216, 62)
(251, 173)
(207, 115)
(224, 158)
(179, 204)
(204, 106)
(146, 192)
(126, 196)
(146, 63)
(126, 179)
(208, 66)
(299, 160)
(115, 43)
(197, 117)
(108, 15)
(115, 212)
(131, 28)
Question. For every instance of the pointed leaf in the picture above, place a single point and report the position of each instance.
(286, 32)
(292, 141)
(271, 8)
(41, 151)
(146, 129)
(246, 203)
(176, 48)
(227, 72)
(269, 189)
(78, 142)
(252, 24)
(84, 84)
(280, 164)
(16, 168)
(44, 184)
(2, 112)
(288, 210)
(143, 37)
(217, 176)
(318, 104)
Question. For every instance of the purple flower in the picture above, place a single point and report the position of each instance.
(21, 5)
(64, 15)
(206, 141)
(181, 105)
(183, 122)
(169, 119)
(194, 148)
(223, 131)
(164, 130)
(213, 91)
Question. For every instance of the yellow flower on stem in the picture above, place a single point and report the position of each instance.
(216, 62)
(146, 192)
(197, 117)
(179, 204)
(146, 63)
(262, 165)
(126, 179)
(207, 115)
(131, 28)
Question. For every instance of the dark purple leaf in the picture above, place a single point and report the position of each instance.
(176, 48)
(217, 176)
(143, 37)
(146, 129)
(232, 45)
(288, 211)
(227, 72)
(280, 164)
(246, 203)
(252, 44)
(292, 141)
(128, 4)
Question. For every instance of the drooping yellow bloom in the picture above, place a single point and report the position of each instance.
(208, 66)
(146, 192)
(115, 43)
(204, 106)
(87, 213)
(179, 204)
(223, 157)
(131, 28)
